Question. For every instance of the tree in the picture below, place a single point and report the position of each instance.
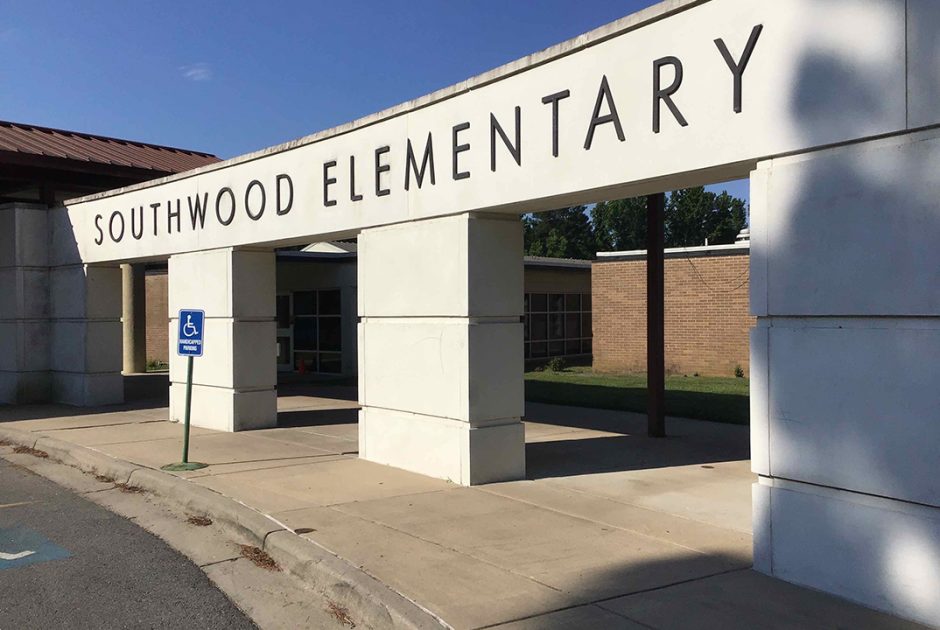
(694, 215)
(564, 233)
(619, 225)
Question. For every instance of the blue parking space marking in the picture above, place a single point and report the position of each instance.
(20, 547)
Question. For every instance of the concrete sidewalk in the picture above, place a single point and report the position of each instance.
(611, 530)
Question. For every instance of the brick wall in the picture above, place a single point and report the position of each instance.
(158, 319)
(707, 320)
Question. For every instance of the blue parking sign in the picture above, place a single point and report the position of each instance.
(189, 338)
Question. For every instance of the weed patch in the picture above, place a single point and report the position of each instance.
(259, 557)
(340, 613)
(28, 450)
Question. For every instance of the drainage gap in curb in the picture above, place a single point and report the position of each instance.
(27, 450)
(259, 557)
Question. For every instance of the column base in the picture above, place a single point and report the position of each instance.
(881, 553)
(443, 448)
(23, 388)
(88, 389)
(224, 409)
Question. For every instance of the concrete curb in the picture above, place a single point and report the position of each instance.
(375, 603)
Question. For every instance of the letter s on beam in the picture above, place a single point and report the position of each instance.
(100, 238)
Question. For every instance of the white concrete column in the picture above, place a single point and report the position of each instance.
(234, 381)
(134, 318)
(440, 347)
(845, 365)
(24, 304)
(85, 340)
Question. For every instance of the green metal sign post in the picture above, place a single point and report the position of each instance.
(190, 346)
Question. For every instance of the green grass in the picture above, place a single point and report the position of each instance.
(717, 399)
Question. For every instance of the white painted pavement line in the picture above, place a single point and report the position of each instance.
(12, 505)
(15, 556)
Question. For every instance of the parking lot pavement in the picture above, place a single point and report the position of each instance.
(67, 563)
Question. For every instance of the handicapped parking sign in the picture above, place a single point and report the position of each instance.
(188, 344)
(189, 339)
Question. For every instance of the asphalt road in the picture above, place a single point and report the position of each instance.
(67, 563)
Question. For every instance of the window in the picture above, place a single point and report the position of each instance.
(318, 331)
(557, 324)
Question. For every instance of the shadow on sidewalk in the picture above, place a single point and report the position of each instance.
(567, 458)
(711, 591)
(581, 451)
(316, 417)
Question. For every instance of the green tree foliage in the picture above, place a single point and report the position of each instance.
(619, 225)
(694, 215)
(564, 233)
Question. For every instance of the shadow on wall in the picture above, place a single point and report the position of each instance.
(142, 388)
(149, 392)
(853, 405)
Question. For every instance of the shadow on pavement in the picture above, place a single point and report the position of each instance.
(316, 417)
(714, 407)
(699, 592)
(568, 458)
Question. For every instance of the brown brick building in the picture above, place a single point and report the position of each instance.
(707, 316)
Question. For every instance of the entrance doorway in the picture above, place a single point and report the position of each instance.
(285, 332)
(310, 331)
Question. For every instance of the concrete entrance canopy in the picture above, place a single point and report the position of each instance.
(831, 106)
(578, 122)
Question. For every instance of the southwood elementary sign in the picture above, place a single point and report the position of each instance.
(607, 121)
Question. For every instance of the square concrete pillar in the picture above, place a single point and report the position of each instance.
(85, 335)
(234, 381)
(24, 304)
(440, 347)
(845, 363)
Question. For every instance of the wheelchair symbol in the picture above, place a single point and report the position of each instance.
(189, 328)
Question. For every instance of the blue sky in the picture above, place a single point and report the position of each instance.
(232, 77)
